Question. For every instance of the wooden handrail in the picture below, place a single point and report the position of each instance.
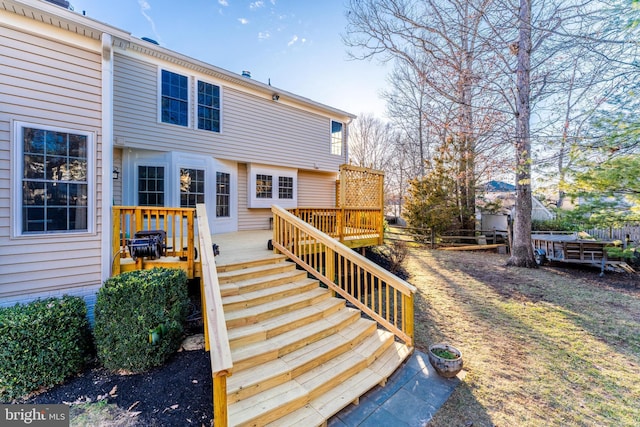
(178, 223)
(344, 223)
(381, 295)
(216, 337)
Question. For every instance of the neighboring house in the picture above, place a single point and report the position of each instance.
(93, 117)
(503, 194)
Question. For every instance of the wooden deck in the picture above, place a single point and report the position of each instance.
(241, 246)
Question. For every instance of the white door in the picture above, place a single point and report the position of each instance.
(225, 184)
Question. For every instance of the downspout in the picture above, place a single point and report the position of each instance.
(107, 154)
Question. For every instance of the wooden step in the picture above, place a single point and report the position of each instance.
(256, 283)
(323, 407)
(251, 381)
(299, 354)
(268, 258)
(261, 296)
(262, 312)
(283, 323)
(316, 388)
(280, 345)
(253, 272)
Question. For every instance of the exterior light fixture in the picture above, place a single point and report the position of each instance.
(116, 173)
(275, 97)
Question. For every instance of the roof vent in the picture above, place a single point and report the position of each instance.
(147, 39)
(246, 74)
(61, 3)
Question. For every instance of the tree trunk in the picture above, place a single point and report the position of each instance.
(522, 251)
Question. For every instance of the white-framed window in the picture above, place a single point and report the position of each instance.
(223, 195)
(174, 98)
(285, 187)
(264, 186)
(337, 137)
(208, 106)
(151, 185)
(184, 100)
(270, 185)
(54, 175)
(191, 187)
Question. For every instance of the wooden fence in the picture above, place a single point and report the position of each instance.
(625, 233)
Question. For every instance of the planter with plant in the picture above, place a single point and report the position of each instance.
(446, 359)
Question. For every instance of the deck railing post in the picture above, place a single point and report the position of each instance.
(116, 242)
(220, 416)
(407, 308)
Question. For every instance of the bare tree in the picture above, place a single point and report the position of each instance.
(439, 41)
(370, 142)
(407, 107)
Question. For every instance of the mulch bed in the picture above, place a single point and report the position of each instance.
(178, 393)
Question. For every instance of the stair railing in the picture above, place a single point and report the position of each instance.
(215, 328)
(378, 293)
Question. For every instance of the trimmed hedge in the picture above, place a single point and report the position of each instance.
(139, 318)
(41, 344)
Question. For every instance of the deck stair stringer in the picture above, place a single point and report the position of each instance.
(299, 353)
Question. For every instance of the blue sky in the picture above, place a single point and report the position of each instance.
(295, 43)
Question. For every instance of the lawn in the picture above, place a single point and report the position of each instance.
(550, 346)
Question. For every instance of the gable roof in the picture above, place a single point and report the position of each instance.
(501, 186)
(60, 17)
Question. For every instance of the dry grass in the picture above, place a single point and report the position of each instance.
(541, 347)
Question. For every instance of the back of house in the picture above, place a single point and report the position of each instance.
(93, 117)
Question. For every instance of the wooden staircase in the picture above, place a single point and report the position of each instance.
(299, 354)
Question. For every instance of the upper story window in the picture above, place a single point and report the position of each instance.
(151, 185)
(191, 187)
(223, 194)
(175, 98)
(337, 137)
(54, 171)
(208, 107)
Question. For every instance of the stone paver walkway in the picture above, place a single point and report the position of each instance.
(410, 398)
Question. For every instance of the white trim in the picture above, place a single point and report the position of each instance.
(18, 173)
(107, 155)
(275, 172)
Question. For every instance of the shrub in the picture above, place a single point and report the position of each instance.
(553, 225)
(139, 318)
(41, 344)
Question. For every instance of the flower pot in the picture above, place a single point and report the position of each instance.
(447, 367)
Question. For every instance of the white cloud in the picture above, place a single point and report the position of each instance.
(264, 36)
(144, 7)
(256, 5)
(292, 41)
(223, 2)
(243, 21)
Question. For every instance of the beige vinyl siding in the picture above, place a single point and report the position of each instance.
(316, 190)
(53, 84)
(249, 219)
(255, 129)
(117, 183)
